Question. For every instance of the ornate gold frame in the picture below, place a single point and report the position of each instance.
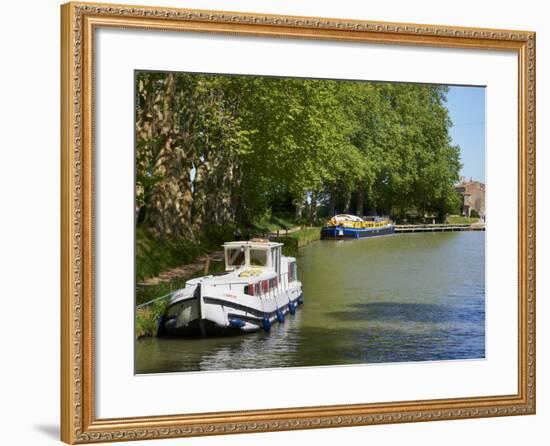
(78, 423)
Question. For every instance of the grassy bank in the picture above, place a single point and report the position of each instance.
(272, 223)
(154, 256)
(147, 318)
(459, 220)
(295, 240)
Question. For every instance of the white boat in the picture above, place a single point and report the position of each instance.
(259, 287)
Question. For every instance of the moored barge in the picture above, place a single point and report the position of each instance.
(351, 226)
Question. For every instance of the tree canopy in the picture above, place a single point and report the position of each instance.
(217, 150)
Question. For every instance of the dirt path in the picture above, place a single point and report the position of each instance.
(189, 269)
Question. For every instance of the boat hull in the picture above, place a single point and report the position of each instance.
(342, 232)
(215, 312)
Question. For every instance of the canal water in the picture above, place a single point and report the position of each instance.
(404, 297)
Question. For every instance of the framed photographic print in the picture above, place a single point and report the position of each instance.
(276, 223)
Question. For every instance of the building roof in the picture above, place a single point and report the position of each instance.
(464, 182)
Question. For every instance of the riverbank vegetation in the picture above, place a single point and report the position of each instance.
(156, 254)
(460, 220)
(147, 319)
(218, 156)
(298, 239)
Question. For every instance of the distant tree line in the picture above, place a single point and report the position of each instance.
(217, 150)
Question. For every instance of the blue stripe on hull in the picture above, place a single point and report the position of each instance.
(335, 232)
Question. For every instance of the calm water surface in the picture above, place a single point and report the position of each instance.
(404, 297)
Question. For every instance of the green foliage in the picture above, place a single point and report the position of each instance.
(281, 223)
(154, 255)
(217, 152)
(460, 220)
(147, 318)
(267, 222)
(474, 213)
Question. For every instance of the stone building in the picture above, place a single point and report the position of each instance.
(473, 197)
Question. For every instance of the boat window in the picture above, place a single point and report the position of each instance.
(173, 310)
(235, 257)
(258, 257)
(292, 272)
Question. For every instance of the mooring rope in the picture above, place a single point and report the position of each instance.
(153, 301)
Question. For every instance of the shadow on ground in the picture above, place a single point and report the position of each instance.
(49, 430)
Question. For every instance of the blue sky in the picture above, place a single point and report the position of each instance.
(466, 107)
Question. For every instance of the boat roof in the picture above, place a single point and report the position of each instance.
(242, 275)
(347, 217)
(256, 243)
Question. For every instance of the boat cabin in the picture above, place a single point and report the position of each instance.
(253, 253)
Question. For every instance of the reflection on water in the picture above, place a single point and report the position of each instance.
(405, 297)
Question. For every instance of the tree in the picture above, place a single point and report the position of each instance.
(189, 141)
(218, 150)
